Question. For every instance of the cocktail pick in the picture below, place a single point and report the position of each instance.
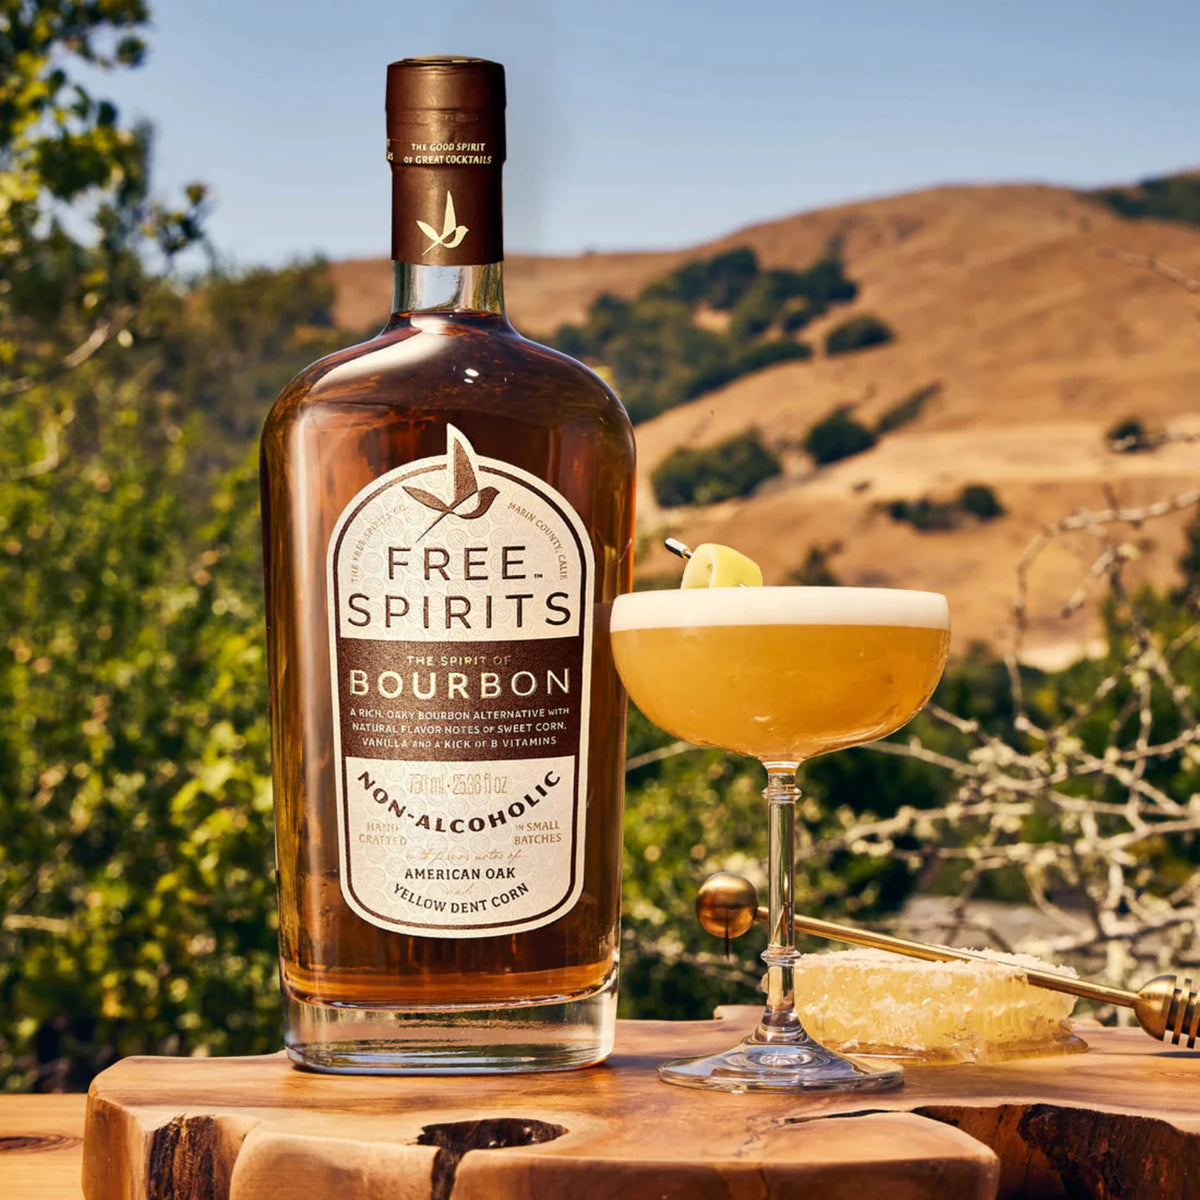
(1166, 1007)
(677, 547)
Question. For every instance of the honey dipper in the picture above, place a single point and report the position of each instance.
(1168, 1007)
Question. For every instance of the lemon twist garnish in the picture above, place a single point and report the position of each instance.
(712, 565)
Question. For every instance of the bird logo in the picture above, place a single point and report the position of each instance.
(464, 485)
(452, 232)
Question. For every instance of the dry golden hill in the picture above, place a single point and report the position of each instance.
(1040, 340)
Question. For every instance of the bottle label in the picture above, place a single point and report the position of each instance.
(461, 610)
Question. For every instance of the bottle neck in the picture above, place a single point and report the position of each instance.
(424, 288)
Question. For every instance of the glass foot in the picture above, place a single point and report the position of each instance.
(780, 1066)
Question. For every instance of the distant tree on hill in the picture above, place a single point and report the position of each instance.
(729, 277)
(688, 283)
(826, 281)
(1130, 437)
(858, 333)
(837, 436)
(980, 501)
(976, 500)
(767, 354)
(1167, 198)
(906, 410)
(797, 316)
(815, 570)
(734, 467)
(661, 356)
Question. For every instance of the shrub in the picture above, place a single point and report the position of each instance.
(608, 316)
(730, 275)
(925, 515)
(980, 501)
(826, 282)
(976, 500)
(906, 410)
(688, 283)
(1167, 198)
(803, 314)
(734, 467)
(764, 301)
(1130, 437)
(815, 570)
(836, 437)
(660, 357)
(858, 333)
(573, 340)
(766, 354)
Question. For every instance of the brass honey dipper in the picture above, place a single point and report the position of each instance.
(1166, 1007)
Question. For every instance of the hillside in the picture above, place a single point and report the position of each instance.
(1041, 343)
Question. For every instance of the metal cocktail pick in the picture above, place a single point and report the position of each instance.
(1167, 1006)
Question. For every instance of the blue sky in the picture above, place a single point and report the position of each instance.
(652, 123)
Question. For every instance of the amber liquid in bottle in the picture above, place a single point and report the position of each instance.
(361, 996)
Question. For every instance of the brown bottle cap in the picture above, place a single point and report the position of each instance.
(445, 131)
(444, 82)
(449, 99)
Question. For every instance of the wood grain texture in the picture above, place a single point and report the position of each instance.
(41, 1140)
(1122, 1120)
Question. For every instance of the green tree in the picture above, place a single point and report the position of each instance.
(135, 838)
(729, 276)
(1130, 436)
(816, 570)
(837, 436)
(1165, 198)
(734, 467)
(64, 300)
(980, 501)
(905, 411)
(858, 333)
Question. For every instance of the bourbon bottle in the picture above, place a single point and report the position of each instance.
(448, 514)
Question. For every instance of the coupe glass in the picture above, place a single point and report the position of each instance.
(782, 674)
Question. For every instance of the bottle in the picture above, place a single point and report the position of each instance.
(448, 515)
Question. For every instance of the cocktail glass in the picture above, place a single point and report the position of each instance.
(782, 674)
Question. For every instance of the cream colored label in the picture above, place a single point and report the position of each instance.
(460, 591)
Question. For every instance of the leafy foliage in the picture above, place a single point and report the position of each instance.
(980, 501)
(905, 411)
(858, 333)
(135, 833)
(769, 298)
(659, 354)
(1131, 436)
(837, 436)
(975, 501)
(816, 570)
(734, 467)
(1165, 198)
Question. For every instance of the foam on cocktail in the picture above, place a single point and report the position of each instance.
(781, 606)
(780, 673)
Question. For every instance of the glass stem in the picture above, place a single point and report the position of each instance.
(780, 1020)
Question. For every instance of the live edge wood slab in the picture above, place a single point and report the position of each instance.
(1122, 1120)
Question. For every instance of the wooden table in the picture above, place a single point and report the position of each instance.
(1122, 1120)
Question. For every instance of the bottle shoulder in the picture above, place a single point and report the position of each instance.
(448, 365)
